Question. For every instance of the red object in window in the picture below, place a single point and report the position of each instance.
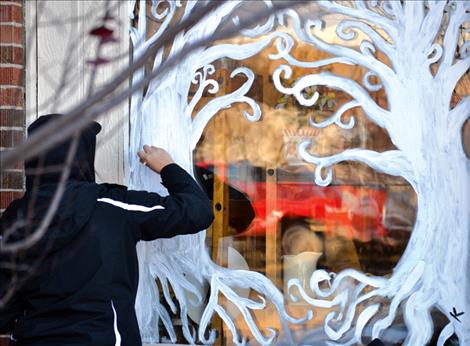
(354, 212)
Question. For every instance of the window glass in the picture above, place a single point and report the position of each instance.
(271, 217)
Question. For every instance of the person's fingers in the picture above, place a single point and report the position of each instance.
(146, 148)
(142, 156)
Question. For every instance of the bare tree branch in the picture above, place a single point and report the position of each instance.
(36, 235)
(33, 238)
(77, 118)
(80, 116)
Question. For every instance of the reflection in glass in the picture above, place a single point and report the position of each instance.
(277, 218)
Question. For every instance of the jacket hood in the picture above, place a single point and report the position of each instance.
(47, 168)
(76, 205)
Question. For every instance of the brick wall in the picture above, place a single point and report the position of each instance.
(12, 98)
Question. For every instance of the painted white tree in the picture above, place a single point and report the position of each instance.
(433, 271)
(163, 117)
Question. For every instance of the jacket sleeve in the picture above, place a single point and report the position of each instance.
(186, 210)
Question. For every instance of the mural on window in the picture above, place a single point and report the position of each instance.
(329, 139)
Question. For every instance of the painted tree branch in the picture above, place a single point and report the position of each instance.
(455, 72)
(235, 51)
(428, 135)
(88, 110)
(221, 102)
(336, 117)
(345, 31)
(458, 116)
(152, 124)
(391, 162)
(285, 44)
(218, 16)
(377, 114)
(345, 54)
(432, 22)
(364, 13)
(222, 281)
(201, 79)
(364, 58)
(457, 16)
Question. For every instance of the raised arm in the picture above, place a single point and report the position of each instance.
(186, 210)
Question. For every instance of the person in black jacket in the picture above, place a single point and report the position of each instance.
(82, 276)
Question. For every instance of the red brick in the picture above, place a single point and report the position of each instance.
(12, 117)
(6, 197)
(11, 180)
(11, 13)
(12, 97)
(18, 165)
(11, 55)
(11, 76)
(19, 2)
(11, 34)
(10, 138)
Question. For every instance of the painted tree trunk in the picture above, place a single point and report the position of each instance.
(433, 272)
(164, 124)
(423, 129)
(164, 117)
(440, 238)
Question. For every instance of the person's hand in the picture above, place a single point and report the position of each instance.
(154, 158)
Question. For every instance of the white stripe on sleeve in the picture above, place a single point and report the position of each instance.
(132, 207)
(116, 330)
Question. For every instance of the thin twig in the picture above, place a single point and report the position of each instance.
(51, 134)
(80, 116)
(54, 204)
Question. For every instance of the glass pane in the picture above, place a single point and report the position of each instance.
(271, 216)
(274, 219)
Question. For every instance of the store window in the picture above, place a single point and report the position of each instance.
(271, 216)
(331, 235)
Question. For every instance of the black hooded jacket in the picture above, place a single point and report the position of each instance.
(77, 285)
